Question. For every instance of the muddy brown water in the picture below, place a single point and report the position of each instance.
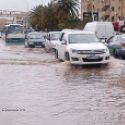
(37, 89)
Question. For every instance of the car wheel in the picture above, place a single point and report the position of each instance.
(56, 54)
(43, 46)
(26, 45)
(33, 46)
(67, 56)
(115, 53)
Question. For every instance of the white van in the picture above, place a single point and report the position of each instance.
(103, 30)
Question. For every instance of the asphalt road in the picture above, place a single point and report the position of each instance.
(37, 89)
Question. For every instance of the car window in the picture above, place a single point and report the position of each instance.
(55, 36)
(113, 39)
(110, 39)
(35, 36)
(61, 37)
(83, 38)
(123, 37)
(64, 37)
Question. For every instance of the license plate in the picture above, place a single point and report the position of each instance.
(92, 57)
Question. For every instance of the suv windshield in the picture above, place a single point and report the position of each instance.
(35, 36)
(55, 36)
(15, 29)
(83, 38)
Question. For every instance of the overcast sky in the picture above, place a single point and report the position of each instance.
(21, 5)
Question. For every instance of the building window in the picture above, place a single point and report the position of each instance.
(113, 8)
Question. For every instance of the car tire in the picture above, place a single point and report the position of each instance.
(56, 54)
(115, 53)
(33, 46)
(67, 56)
(26, 45)
(42, 46)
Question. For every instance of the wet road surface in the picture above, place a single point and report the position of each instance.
(37, 89)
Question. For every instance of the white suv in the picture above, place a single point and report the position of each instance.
(82, 47)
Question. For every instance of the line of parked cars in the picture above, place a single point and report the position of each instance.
(92, 45)
(75, 46)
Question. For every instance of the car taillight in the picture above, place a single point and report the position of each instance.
(123, 45)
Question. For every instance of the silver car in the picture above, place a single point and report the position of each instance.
(116, 45)
(35, 39)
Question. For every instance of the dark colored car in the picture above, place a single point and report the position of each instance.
(116, 45)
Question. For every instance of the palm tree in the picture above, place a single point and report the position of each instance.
(36, 16)
(44, 17)
(69, 7)
(55, 15)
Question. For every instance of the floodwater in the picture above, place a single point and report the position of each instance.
(37, 89)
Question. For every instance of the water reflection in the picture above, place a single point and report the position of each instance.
(55, 93)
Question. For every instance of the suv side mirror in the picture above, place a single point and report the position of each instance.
(103, 40)
(64, 42)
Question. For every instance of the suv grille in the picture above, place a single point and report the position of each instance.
(101, 51)
(92, 60)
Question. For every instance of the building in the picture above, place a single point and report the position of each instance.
(109, 10)
(7, 17)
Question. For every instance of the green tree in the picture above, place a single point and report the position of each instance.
(43, 17)
(36, 16)
(69, 8)
(59, 15)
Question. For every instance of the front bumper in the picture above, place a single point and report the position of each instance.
(89, 59)
(36, 43)
(121, 52)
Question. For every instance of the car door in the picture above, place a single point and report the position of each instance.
(113, 43)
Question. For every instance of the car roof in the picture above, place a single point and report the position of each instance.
(78, 32)
(33, 33)
(99, 22)
(54, 32)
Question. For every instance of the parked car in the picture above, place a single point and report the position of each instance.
(116, 45)
(34, 39)
(52, 39)
(82, 47)
(0, 35)
(103, 30)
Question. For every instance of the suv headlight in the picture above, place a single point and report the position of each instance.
(106, 50)
(74, 50)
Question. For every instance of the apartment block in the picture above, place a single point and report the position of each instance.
(109, 10)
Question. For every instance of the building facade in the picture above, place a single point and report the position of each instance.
(7, 17)
(109, 10)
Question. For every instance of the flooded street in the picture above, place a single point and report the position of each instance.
(37, 89)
